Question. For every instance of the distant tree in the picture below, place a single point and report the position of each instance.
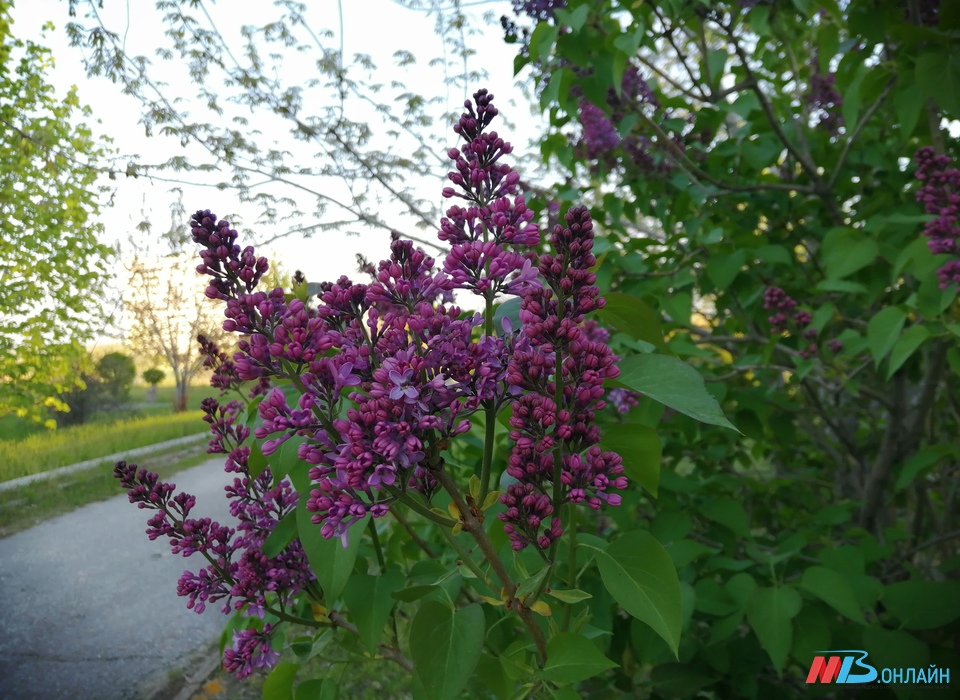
(117, 372)
(168, 311)
(153, 376)
(52, 267)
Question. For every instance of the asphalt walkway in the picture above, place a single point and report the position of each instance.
(90, 605)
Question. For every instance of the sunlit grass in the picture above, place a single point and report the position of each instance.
(51, 449)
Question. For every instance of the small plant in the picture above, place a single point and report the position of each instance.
(153, 376)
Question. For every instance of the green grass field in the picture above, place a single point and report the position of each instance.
(57, 448)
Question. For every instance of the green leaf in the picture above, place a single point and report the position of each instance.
(679, 680)
(883, 330)
(935, 80)
(922, 605)
(907, 344)
(329, 560)
(282, 535)
(723, 269)
(370, 600)
(716, 60)
(639, 574)
(908, 102)
(256, 462)
(572, 658)
(571, 595)
(845, 251)
(640, 448)
(770, 613)
(574, 19)
(673, 383)
(445, 647)
(685, 551)
(315, 689)
(834, 590)
(279, 684)
(542, 40)
(919, 463)
(285, 458)
(629, 43)
(508, 309)
(728, 513)
(633, 316)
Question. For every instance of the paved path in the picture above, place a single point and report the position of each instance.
(129, 455)
(90, 606)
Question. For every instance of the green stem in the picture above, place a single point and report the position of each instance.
(490, 416)
(572, 563)
(466, 558)
(420, 508)
(371, 525)
(475, 528)
(296, 620)
(413, 535)
(558, 448)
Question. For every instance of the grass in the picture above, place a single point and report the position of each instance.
(13, 428)
(57, 448)
(23, 507)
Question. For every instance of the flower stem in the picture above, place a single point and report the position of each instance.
(466, 558)
(420, 508)
(371, 525)
(490, 415)
(475, 528)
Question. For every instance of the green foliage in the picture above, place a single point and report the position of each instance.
(117, 372)
(52, 266)
(831, 521)
(153, 376)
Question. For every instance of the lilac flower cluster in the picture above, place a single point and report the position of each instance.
(600, 137)
(386, 374)
(824, 100)
(238, 572)
(411, 366)
(940, 196)
(556, 458)
(251, 651)
(785, 319)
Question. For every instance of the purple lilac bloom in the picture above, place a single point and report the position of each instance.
(940, 196)
(556, 458)
(251, 651)
(824, 100)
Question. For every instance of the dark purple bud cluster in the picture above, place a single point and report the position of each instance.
(787, 319)
(940, 196)
(824, 100)
(561, 371)
(230, 268)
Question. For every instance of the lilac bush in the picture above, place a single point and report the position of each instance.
(373, 381)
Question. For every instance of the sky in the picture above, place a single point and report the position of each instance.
(374, 27)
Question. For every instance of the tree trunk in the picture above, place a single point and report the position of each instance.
(180, 403)
(152, 393)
